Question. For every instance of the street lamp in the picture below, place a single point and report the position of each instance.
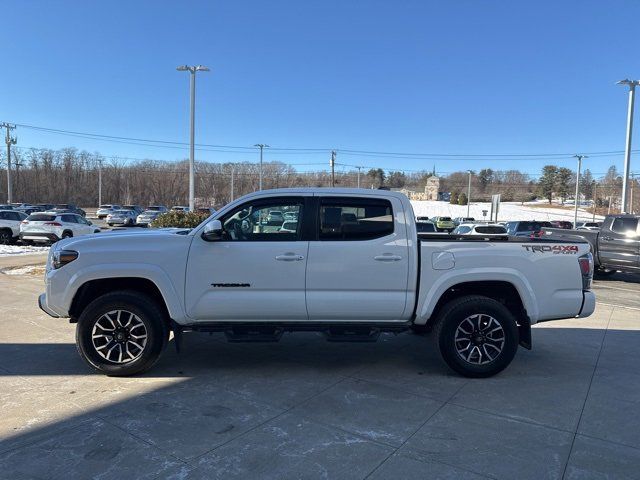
(627, 154)
(192, 70)
(261, 146)
(469, 193)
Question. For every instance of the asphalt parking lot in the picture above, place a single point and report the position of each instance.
(305, 408)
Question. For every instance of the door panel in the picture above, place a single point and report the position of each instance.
(256, 272)
(351, 277)
(619, 244)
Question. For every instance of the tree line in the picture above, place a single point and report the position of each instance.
(72, 176)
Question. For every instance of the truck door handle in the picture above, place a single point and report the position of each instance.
(289, 257)
(387, 257)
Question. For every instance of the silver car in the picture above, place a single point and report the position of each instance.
(148, 216)
(106, 209)
(122, 217)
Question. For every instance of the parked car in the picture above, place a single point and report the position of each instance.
(6, 207)
(148, 216)
(10, 226)
(425, 227)
(589, 225)
(350, 280)
(443, 224)
(180, 208)
(526, 228)
(69, 208)
(49, 227)
(561, 224)
(275, 217)
(615, 246)
(122, 217)
(480, 229)
(157, 208)
(45, 207)
(289, 226)
(458, 220)
(27, 208)
(136, 208)
(106, 209)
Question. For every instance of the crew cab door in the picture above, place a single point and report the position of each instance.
(358, 262)
(256, 272)
(619, 243)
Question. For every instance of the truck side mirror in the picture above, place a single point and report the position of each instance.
(212, 231)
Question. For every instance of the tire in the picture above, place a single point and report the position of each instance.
(110, 224)
(6, 237)
(481, 351)
(134, 307)
(603, 272)
(66, 234)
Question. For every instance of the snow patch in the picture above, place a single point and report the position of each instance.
(12, 250)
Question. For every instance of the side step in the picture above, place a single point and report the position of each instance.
(253, 333)
(352, 334)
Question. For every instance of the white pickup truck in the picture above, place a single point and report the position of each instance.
(349, 263)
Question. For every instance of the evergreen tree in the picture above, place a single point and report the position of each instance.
(547, 182)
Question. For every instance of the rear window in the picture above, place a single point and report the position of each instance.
(529, 226)
(625, 225)
(41, 217)
(491, 229)
(105, 206)
(355, 219)
(463, 230)
(424, 227)
(445, 219)
(154, 209)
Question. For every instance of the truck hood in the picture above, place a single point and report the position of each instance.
(124, 239)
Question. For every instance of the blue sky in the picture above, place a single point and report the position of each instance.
(463, 77)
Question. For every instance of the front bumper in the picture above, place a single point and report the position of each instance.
(588, 304)
(42, 303)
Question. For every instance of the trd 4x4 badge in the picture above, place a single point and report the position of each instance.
(555, 249)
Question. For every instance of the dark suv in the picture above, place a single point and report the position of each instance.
(526, 228)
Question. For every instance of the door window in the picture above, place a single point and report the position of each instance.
(625, 226)
(355, 219)
(69, 219)
(276, 221)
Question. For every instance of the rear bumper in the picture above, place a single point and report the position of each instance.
(588, 304)
(39, 236)
(42, 303)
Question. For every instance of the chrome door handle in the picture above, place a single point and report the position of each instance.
(289, 257)
(608, 239)
(387, 257)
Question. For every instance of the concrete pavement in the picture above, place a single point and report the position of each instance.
(305, 408)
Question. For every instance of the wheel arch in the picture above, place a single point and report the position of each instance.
(93, 289)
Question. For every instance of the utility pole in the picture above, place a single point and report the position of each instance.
(359, 168)
(595, 200)
(332, 163)
(469, 194)
(627, 153)
(232, 181)
(261, 146)
(9, 140)
(192, 126)
(633, 180)
(99, 182)
(575, 210)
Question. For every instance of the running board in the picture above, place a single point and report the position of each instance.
(255, 333)
(352, 334)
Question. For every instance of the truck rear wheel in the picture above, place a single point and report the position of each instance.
(477, 336)
(121, 333)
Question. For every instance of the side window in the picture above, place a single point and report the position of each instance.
(68, 218)
(355, 219)
(4, 216)
(275, 221)
(625, 225)
(81, 220)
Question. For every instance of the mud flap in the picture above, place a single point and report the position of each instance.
(524, 331)
(177, 335)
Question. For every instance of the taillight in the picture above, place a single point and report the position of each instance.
(586, 269)
(24, 222)
(53, 224)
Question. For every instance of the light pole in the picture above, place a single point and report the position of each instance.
(627, 154)
(261, 146)
(595, 200)
(359, 168)
(9, 140)
(192, 70)
(99, 183)
(575, 210)
(469, 193)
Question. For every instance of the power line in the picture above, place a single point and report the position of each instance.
(346, 151)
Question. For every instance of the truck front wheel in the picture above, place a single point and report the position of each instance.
(477, 336)
(121, 333)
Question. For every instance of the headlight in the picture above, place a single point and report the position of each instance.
(62, 257)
